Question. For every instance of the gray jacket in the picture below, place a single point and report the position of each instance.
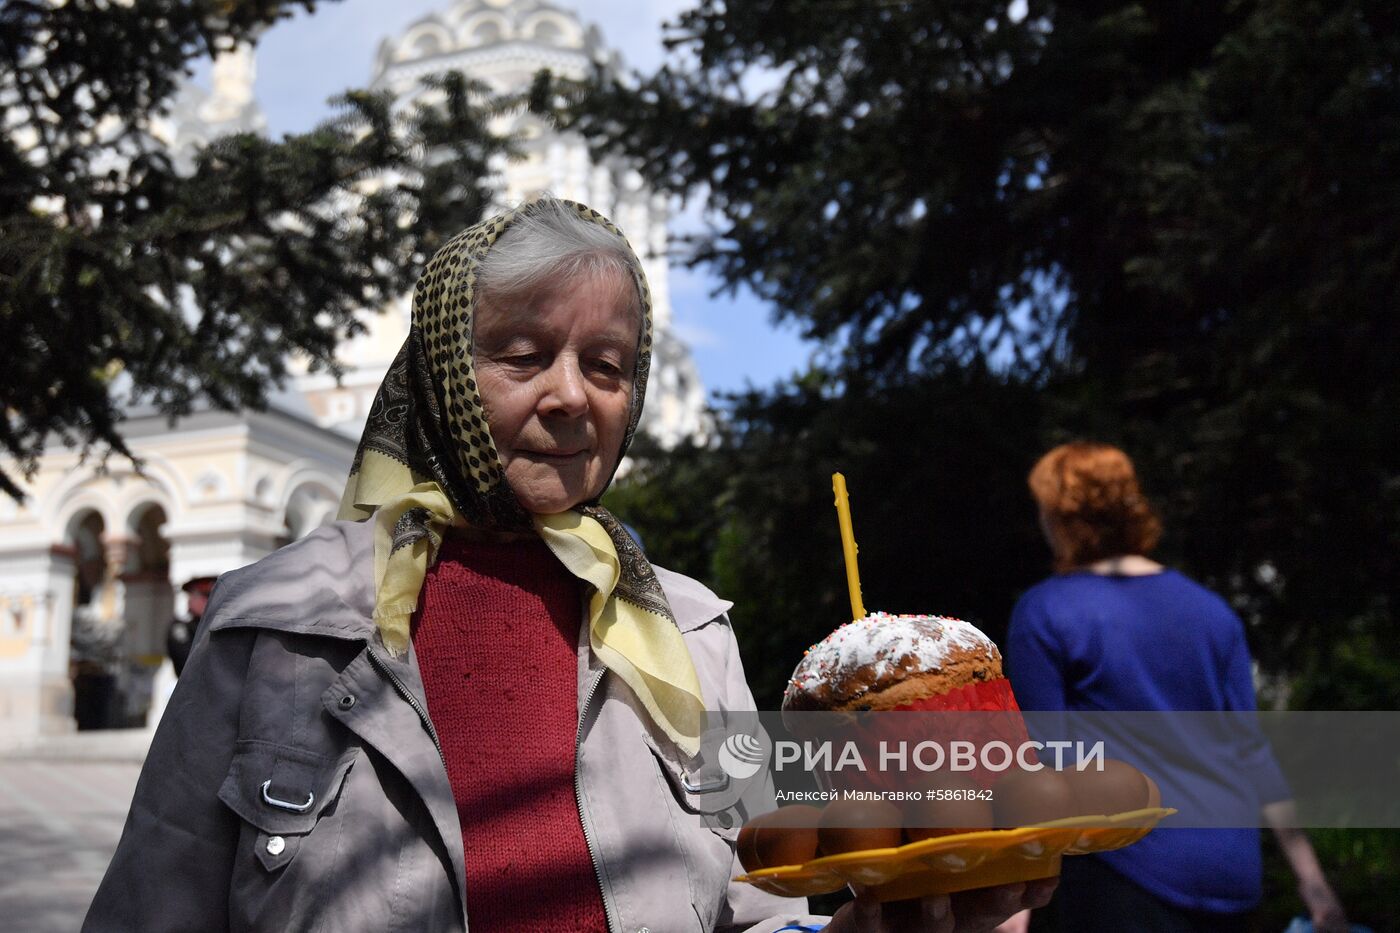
(295, 782)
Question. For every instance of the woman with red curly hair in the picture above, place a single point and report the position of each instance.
(1115, 630)
(1092, 510)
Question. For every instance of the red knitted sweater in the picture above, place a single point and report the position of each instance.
(497, 641)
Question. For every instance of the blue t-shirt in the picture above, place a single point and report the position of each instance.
(1088, 642)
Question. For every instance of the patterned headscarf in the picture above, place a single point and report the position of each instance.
(426, 462)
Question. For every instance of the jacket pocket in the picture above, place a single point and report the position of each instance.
(281, 792)
(706, 820)
(701, 786)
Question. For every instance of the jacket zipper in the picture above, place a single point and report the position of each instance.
(402, 689)
(578, 799)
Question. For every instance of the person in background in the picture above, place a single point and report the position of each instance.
(1115, 630)
(182, 631)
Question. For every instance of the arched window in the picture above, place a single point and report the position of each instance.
(152, 558)
(89, 555)
(545, 31)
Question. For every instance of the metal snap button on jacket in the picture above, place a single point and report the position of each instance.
(275, 845)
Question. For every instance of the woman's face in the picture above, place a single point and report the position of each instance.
(555, 378)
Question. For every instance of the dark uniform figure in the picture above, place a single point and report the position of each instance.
(182, 631)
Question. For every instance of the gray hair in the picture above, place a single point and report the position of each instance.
(550, 246)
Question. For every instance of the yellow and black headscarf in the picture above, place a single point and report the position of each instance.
(426, 462)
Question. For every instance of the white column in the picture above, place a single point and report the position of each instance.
(601, 191)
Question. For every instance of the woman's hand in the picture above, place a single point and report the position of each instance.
(1324, 909)
(1016, 923)
(978, 911)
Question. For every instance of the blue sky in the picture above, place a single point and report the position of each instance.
(304, 61)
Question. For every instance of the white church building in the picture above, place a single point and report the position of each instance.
(92, 561)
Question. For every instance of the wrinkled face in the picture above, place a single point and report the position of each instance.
(555, 377)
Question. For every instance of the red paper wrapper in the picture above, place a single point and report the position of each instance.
(991, 696)
(979, 713)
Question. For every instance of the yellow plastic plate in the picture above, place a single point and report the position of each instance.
(958, 863)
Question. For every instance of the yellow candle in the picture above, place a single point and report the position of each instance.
(848, 544)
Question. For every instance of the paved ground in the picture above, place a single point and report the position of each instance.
(62, 806)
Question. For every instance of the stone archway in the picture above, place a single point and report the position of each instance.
(84, 535)
(122, 605)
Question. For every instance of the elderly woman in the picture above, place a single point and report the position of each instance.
(475, 698)
(1115, 630)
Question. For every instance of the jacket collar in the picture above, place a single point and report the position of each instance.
(322, 584)
(692, 603)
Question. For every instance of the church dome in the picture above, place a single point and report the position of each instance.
(532, 33)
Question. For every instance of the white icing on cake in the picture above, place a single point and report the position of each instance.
(882, 644)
